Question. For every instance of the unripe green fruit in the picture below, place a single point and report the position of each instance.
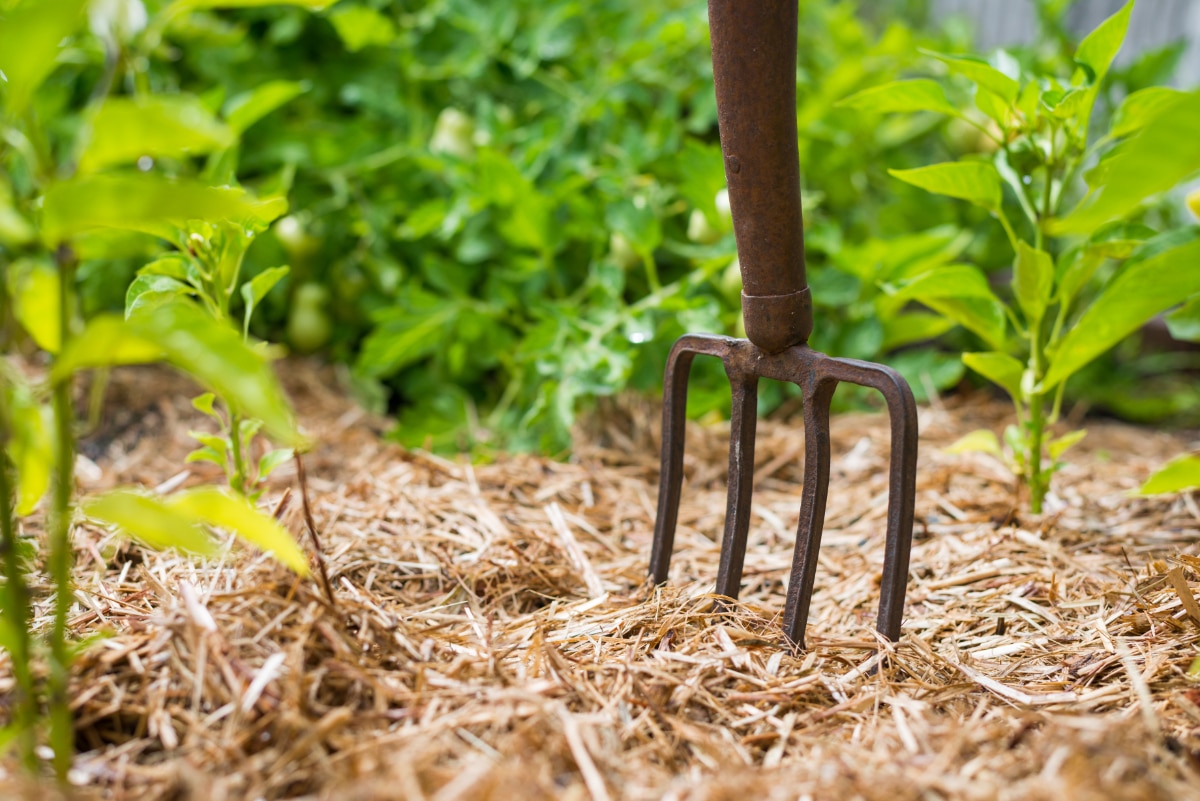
(453, 134)
(699, 229)
(298, 243)
(730, 283)
(622, 252)
(309, 326)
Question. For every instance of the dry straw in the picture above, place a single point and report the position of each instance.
(494, 639)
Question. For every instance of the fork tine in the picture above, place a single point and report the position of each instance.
(742, 426)
(902, 496)
(812, 509)
(670, 482)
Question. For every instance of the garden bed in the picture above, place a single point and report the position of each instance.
(493, 635)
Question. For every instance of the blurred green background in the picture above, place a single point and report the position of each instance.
(500, 212)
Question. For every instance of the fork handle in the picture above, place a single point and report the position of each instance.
(754, 67)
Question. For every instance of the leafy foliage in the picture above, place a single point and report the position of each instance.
(1081, 280)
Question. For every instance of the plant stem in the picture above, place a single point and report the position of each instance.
(61, 729)
(1008, 229)
(238, 480)
(16, 609)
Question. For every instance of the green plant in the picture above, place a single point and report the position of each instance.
(206, 270)
(511, 208)
(1082, 280)
(68, 189)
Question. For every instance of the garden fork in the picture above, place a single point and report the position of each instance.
(754, 66)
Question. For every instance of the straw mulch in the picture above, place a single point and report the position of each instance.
(492, 636)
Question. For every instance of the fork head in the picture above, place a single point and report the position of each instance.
(817, 376)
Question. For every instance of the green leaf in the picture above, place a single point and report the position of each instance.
(999, 368)
(908, 327)
(151, 521)
(273, 459)
(34, 288)
(171, 266)
(216, 356)
(31, 35)
(975, 181)
(1060, 445)
(30, 445)
(249, 107)
(1184, 322)
(403, 337)
(1155, 160)
(992, 105)
(982, 73)
(637, 223)
(920, 94)
(1067, 105)
(206, 454)
(980, 441)
(1139, 108)
(1147, 286)
(951, 280)
(218, 507)
(361, 26)
(148, 203)
(204, 404)
(195, 5)
(1119, 240)
(1033, 281)
(217, 444)
(159, 126)
(148, 292)
(106, 341)
(1181, 473)
(961, 293)
(257, 288)
(1098, 49)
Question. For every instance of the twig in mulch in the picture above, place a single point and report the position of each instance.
(311, 525)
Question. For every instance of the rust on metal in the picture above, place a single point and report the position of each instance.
(754, 68)
(754, 65)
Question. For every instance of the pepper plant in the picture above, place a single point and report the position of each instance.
(1090, 266)
(115, 174)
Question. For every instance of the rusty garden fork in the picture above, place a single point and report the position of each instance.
(754, 66)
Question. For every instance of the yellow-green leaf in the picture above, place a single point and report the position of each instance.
(1147, 286)
(1032, 281)
(151, 521)
(248, 108)
(1100, 47)
(106, 341)
(1158, 158)
(976, 181)
(34, 288)
(147, 203)
(981, 441)
(31, 36)
(1060, 445)
(1138, 109)
(31, 444)
(216, 356)
(920, 94)
(1181, 473)
(219, 507)
(159, 126)
(982, 73)
(195, 5)
(1000, 368)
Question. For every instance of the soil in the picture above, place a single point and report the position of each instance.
(490, 633)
